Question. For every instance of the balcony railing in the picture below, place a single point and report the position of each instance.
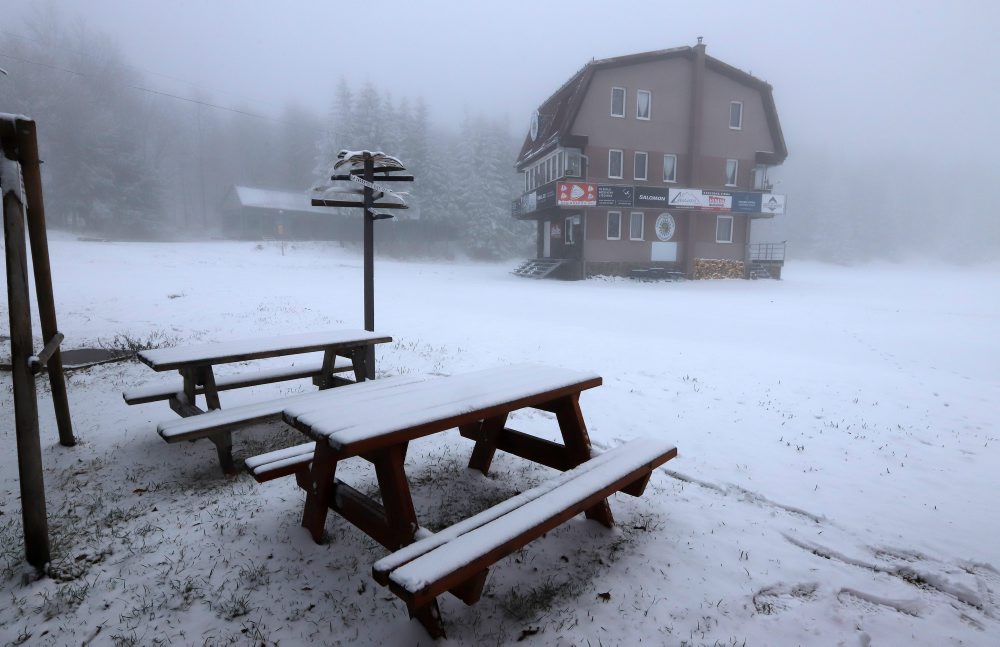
(766, 251)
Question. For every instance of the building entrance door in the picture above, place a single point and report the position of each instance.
(547, 240)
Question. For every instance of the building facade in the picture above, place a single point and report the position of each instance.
(650, 161)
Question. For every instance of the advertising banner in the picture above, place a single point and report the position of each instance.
(701, 199)
(746, 202)
(545, 196)
(576, 194)
(650, 196)
(772, 203)
(612, 195)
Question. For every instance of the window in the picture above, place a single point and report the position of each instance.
(635, 225)
(570, 237)
(614, 225)
(643, 99)
(732, 172)
(615, 164)
(669, 168)
(723, 229)
(527, 182)
(640, 165)
(618, 102)
(736, 115)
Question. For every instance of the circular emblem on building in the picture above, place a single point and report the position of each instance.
(533, 129)
(665, 226)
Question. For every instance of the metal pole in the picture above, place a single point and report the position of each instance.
(31, 172)
(29, 452)
(369, 263)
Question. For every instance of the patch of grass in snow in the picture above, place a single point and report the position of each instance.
(532, 602)
(67, 597)
(127, 343)
(236, 606)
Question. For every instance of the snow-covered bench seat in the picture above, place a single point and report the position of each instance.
(214, 422)
(281, 462)
(457, 559)
(165, 390)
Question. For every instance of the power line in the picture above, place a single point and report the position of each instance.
(161, 93)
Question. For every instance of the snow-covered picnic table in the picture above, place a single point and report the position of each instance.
(377, 420)
(343, 351)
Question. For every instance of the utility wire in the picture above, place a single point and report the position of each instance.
(161, 93)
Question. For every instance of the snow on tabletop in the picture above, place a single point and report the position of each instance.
(257, 345)
(575, 486)
(428, 401)
(836, 483)
(408, 553)
(178, 427)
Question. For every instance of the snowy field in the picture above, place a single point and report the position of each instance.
(836, 484)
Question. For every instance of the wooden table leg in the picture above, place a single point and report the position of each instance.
(577, 440)
(320, 487)
(395, 490)
(486, 443)
(223, 441)
(359, 358)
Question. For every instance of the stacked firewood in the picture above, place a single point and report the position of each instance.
(709, 268)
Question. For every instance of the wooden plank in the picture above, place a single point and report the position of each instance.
(29, 451)
(486, 443)
(356, 204)
(42, 359)
(168, 359)
(473, 568)
(578, 448)
(364, 513)
(448, 422)
(396, 496)
(27, 145)
(319, 492)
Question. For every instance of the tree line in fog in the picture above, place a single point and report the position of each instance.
(123, 158)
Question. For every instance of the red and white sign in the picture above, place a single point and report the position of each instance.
(576, 194)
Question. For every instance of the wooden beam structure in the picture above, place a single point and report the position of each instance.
(21, 193)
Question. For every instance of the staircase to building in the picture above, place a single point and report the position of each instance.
(538, 268)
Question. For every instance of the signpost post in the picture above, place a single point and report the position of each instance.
(366, 164)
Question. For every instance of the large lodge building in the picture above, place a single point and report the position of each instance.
(652, 162)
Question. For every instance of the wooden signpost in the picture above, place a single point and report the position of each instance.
(21, 190)
(364, 165)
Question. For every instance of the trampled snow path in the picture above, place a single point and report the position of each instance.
(837, 458)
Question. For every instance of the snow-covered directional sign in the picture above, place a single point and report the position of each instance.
(375, 186)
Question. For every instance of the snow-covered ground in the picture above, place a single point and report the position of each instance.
(836, 481)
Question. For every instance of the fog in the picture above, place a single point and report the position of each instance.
(887, 109)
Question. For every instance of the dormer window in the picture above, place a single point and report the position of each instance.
(643, 101)
(618, 102)
(736, 115)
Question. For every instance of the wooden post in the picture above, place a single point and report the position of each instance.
(29, 452)
(27, 155)
(369, 263)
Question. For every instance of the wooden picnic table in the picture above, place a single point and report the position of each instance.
(196, 365)
(377, 420)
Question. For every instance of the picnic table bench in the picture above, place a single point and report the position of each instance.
(343, 351)
(377, 420)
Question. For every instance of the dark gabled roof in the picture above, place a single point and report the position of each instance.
(556, 114)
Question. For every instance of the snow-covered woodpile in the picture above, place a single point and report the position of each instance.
(709, 268)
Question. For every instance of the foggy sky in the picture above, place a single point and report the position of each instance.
(866, 77)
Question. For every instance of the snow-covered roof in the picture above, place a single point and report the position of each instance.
(273, 199)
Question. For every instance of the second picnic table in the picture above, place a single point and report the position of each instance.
(196, 366)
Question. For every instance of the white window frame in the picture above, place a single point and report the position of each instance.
(674, 178)
(732, 228)
(608, 228)
(736, 173)
(645, 166)
(568, 238)
(624, 102)
(642, 225)
(621, 165)
(738, 126)
(649, 105)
